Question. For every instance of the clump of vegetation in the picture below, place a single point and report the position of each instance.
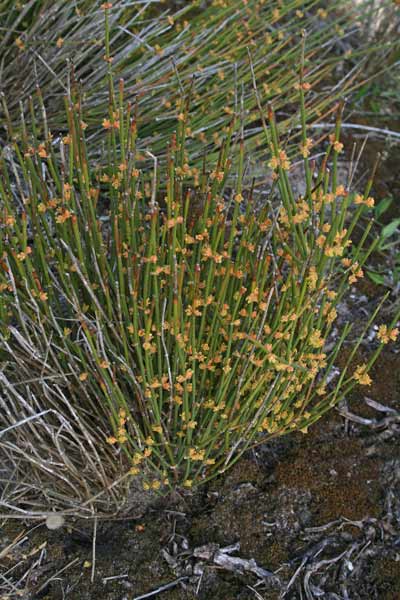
(157, 323)
(158, 51)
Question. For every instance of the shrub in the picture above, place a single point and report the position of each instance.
(157, 50)
(155, 324)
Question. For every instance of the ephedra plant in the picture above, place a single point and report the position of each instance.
(156, 324)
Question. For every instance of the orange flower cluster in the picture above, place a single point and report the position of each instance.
(386, 335)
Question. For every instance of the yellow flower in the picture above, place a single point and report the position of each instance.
(361, 375)
(305, 148)
(276, 14)
(9, 220)
(137, 458)
(337, 146)
(386, 335)
(42, 151)
(280, 161)
(20, 44)
(107, 124)
(196, 454)
(218, 175)
(253, 297)
(332, 314)
(303, 86)
(63, 216)
(359, 199)
(21, 256)
(285, 163)
(312, 278)
(316, 341)
(341, 190)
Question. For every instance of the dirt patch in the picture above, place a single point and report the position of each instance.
(385, 572)
(342, 481)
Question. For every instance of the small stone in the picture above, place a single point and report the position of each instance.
(371, 451)
(54, 521)
(349, 565)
